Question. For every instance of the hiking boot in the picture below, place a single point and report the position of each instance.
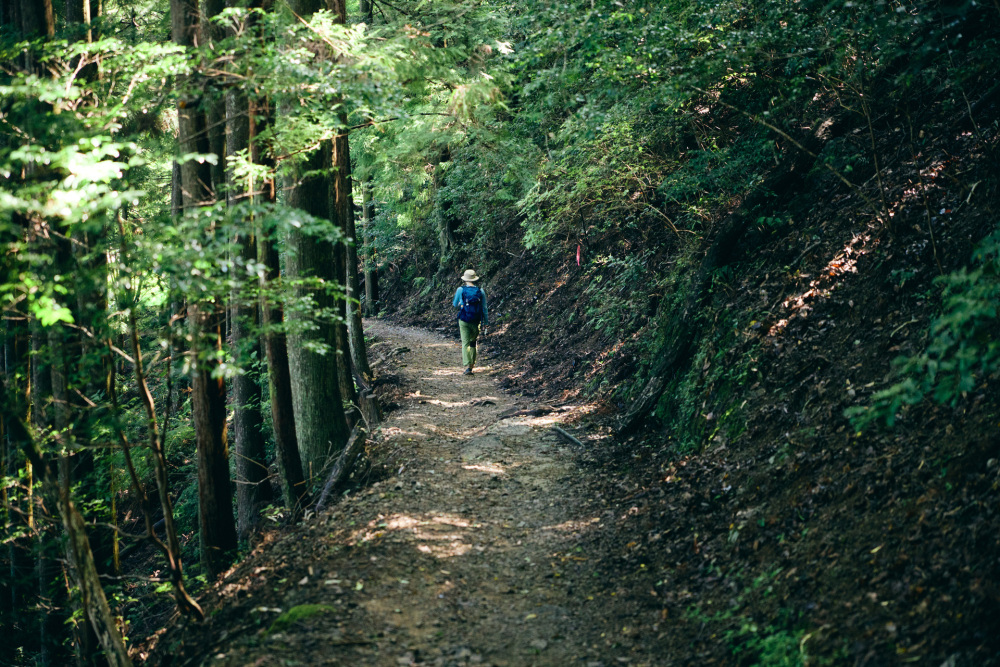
(468, 371)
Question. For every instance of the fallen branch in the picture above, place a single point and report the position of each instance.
(533, 412)
(566, 436)
(342, 466)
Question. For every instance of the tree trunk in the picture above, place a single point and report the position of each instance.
(41, 396)
(212, 32)
(279, 381)
(17, 500)
(171, 547)
(345, 378)
(37, 19)
(368, 250)
(340, 215)
(355, 330)
(195, 177)
(320, 425)
(252, 488)
(216, 526)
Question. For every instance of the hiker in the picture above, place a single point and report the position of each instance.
(471, 302)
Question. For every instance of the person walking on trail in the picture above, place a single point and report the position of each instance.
(471, 303)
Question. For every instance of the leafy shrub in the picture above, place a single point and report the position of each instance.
(963, 347)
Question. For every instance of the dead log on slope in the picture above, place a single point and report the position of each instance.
(342, 466)
(567, 437)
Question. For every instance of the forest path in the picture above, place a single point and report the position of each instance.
(469, 554)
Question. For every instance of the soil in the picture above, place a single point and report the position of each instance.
(475, 550)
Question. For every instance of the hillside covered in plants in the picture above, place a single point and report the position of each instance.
(736, 402)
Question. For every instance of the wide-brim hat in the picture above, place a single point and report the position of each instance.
(470, 276)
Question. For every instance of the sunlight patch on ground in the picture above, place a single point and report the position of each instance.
(492, 468)
(401, 523)
(574, 526)
(436, 534)
(459, 404)
(458, 370)
(394, 432)
(446, 371)
(445, 550)
(452, 521)
(822, 285)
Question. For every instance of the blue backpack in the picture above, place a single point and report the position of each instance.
(472, 305)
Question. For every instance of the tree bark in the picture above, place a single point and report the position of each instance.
(37, 19)
(214, 102)
(368, 251)
(216, 526)
(41, 407)
(355, 329)
(320, 425)
(279, 381)
(252, 488)
(340, 215)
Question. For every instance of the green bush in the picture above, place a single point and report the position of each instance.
(963, 348)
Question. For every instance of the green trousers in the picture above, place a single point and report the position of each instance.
(470, 332)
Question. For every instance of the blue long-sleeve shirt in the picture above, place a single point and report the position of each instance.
(457, 303)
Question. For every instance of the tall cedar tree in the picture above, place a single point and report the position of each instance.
(320, 424)
(216, 524)
(252, 488)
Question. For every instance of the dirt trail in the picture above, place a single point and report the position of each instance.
(469, 554)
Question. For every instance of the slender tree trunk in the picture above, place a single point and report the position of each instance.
(252, 487)
(66, 346)
(345, 378)
(356, 334)
(217, 527)
(37, 19)
(171, 547)
(17, 500)
(279, 381)
(340, 214)
(215, 102)
(49, 619)
(368, 250)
